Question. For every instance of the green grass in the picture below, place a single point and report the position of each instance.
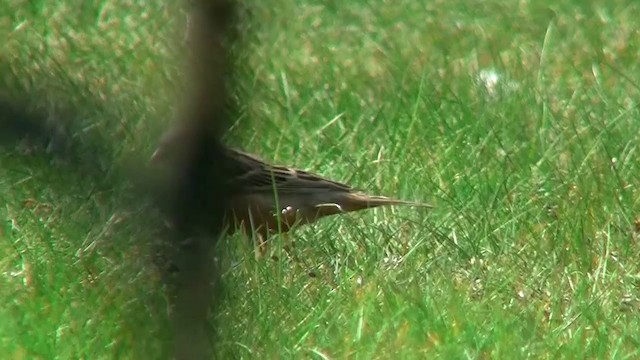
(531, 252)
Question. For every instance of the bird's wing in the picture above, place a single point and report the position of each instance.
(253, 174)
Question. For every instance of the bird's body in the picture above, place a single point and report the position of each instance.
(271, 199)
(265, 199)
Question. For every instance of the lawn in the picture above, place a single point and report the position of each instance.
(518, 120)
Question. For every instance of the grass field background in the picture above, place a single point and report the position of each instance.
(518, 120)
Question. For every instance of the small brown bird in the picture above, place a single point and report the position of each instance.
(267, 199)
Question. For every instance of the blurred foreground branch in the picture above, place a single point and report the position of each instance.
(196, 191)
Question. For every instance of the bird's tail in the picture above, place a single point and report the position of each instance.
(373, 201)
(359, 201)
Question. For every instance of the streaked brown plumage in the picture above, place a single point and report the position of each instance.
(267, 199)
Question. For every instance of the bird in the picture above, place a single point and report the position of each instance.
(266, 199)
